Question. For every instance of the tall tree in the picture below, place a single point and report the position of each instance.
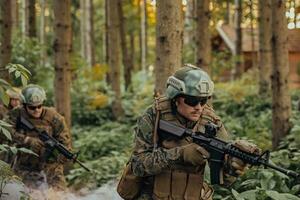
(238, 69)
(89, 37)
(281, 100)
(189, 20)
(15, 13)
(114, 54)
(42, 31)
(265, 51)
(5, 42)
(126, 56)
(62, 50)
(144, 25)
(87, 31)
(30, 9)
(203, 41)
(169, 39)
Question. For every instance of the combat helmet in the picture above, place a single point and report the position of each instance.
(33, 95)
(189, 80)
(14, 93)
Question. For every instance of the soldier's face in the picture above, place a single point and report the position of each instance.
(34, 111)
(14, 102)
(191, 113)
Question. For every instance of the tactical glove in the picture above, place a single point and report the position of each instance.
(35, 144)
(194, 154)
(237, 165)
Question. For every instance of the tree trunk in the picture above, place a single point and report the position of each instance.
(239, 68)
(89, 37)
(143, 33)
(227, 14)
(114, 54)
(15, 14)
(127, 62)
(62, 50)
(189, 20)
(31, 31)
(203, 42)
(169, 39)
(253, 53)
(281, 104)
(5, 42)
(265, 51)
(42, 32)
(82, 28)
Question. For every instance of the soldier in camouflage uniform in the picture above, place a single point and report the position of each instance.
(35, 169)
(172, 168)
(14, 101)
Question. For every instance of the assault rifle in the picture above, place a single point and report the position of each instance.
(51, 143)
(218, 149)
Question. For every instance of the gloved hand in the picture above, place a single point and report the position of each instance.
(35, 144)
(194, 154)
(238, 166)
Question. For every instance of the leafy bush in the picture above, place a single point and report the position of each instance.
(104, 149)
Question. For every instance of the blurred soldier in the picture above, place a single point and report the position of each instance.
(173, 168)
(14, 101)
(35, 169)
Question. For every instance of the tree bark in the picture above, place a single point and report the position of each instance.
(169, 39)
(127, 62)
(15, 14)
(31, 28)
(82, 28)
(239, 68)
(189, 21)
(265, 51)
(203, 41)
(42, 31)
(62, 50)
(89, 37)
(5, 42)
(144, 25)
(114, 54)
(281, 104)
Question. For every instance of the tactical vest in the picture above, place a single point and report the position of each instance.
(182, 182)
(49, 122)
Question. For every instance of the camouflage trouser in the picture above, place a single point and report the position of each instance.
(51, 176)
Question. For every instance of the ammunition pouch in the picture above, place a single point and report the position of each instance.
(129, 185)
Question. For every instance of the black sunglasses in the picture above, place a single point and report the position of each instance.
(194, 101)
(34, 107)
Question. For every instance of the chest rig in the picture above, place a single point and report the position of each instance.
(180, 182)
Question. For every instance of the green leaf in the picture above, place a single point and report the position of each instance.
(236, 195)
(249, 195)
(24, 80)
(3, 123)
(6, 133)
(22, 68)
(14, 150)
(277, 196)
(24, 150)
(17, 74)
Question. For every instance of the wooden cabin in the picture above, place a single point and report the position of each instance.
(250, 51)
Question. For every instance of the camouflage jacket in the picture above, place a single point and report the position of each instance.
(146, 161)
(50, 121)
(3, 111)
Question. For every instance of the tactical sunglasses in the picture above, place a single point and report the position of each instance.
(194, 101)
(34, 107)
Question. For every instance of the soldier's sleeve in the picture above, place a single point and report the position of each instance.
(145, 160)
(11, 118)
(61, 131)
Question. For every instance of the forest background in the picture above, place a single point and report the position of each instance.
(101, 63)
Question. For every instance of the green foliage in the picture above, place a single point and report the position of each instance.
(104, 149)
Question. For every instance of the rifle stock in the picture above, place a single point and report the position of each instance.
(218, 149)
